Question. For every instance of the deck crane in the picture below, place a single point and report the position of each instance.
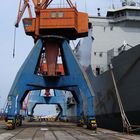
(52, 29)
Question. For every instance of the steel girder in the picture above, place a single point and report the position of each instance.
(27, 79)
(58, 99)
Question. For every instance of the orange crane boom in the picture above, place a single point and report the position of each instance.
(22, 7)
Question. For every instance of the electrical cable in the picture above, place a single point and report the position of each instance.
(14, 47)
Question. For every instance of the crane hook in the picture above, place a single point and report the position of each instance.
(14, 47)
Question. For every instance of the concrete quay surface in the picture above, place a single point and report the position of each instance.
(59, 131)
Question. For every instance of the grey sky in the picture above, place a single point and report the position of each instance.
(10, 66)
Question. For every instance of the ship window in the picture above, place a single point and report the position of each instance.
(60, 14)
(53, 14)
(97, 71)
(111, 28)
(118, 15)
(104, 29)
(92, 38)
(133, 13)
(100, 54)
(123, 14)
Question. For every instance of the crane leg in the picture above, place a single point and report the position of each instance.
(21, 87)
(79, 78)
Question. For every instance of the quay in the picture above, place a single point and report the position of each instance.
(60, 131)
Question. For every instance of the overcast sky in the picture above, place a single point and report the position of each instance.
(10, 66)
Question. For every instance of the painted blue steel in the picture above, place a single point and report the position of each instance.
(78, 77)
(27, 79)
(25, 75)
(79, 101)
(36, 98)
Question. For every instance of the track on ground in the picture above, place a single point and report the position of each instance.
(59, 131)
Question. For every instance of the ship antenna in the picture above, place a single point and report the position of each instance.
(99, 14)
(113, 6)
(85, 6)
(124, 2)
(138, 3)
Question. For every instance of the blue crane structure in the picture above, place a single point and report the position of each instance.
(35, 98)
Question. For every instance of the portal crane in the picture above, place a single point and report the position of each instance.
(52, 29)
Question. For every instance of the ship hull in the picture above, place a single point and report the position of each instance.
(114, 121)
(126, 69)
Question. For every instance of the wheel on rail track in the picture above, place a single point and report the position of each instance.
(18, 122)
(80, 123)
(10, 125)
(92, 125)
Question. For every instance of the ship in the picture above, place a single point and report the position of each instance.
(113, 47)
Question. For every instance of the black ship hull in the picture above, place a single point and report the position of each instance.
(126, 69)
(114, 121)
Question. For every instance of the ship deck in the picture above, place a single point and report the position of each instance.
(59, 131)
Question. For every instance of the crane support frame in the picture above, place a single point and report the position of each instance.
(27, 80)
(58, 99)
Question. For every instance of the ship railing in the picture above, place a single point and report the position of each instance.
(109, 55)
(59, 5)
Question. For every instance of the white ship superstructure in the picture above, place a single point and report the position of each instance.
(121, 27)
